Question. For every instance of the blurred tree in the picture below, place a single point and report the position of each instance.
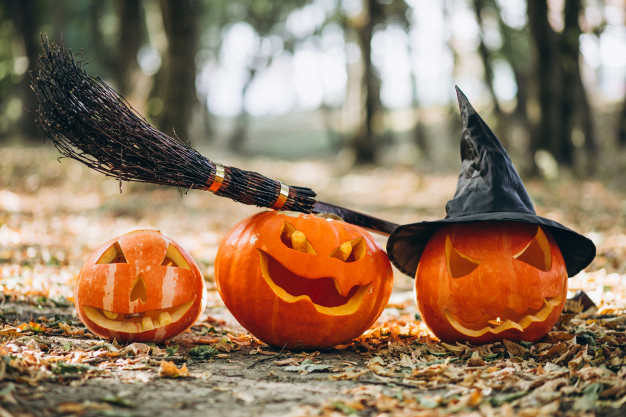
(621, 126)
(514, 49)
(131, 38)
(6, 61)
(561, 94)
(176, 79)
(267, 19)
(118, 56)
(544, 39)
(364, 141)
(420, 132)
(621, 120)
(486, 56)
(545, 62)
(26, 18)
(575, 108)
(368, 134)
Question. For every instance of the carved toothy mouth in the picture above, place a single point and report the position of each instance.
(323, 293)
(136, 322)
(499, 325)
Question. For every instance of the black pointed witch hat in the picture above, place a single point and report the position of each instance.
(488, 189)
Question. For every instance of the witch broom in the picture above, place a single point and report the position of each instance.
(88, 121)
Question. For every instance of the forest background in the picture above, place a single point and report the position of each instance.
(370, 80)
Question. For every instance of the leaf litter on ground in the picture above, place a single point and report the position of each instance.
(397, 368)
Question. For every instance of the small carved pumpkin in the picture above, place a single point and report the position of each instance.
(487, 281)
(302, 281)
(141, 286)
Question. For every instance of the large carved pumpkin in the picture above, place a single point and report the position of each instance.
(141, 286)
(301, 281)
(488, 281)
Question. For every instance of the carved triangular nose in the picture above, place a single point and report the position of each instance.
(139, 290)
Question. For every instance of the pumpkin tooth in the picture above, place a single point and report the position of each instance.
(509, 324)
(164, 318)
(337, 287)
(110, 315)
(344, 251)
(146, 324)
(298, 241)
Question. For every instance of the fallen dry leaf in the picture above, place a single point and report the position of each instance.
(168, 369)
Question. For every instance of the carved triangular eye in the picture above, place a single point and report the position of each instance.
(173, 257)
(295, 239)
(351, 250)
(113, 255)
(459, 265)
(537, 253)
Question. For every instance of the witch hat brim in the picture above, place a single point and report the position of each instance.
(489, 189)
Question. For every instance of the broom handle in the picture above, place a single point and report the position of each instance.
(366, 221)
(219, 183)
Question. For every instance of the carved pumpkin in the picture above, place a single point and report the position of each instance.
(487, 281)
(301, 281)
(141, 286)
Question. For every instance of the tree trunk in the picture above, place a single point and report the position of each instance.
(128, 44)
(364, 140)
(515, 51)
(621, 127)
(547, 132)
(575, 105)
(180, 20)
(569, 65)
(485, 57)
(96, 8)
(26, 19)
(240, 133)
(420, 134)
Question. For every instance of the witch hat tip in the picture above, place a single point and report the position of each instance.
(465, 107)
(461, 98)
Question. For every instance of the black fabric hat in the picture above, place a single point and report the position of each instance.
(488, 189)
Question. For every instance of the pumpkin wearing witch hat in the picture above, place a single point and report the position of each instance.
(491, 269)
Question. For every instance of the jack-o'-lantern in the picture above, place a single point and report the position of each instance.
(489, 281)
(300, 281)
(141, 286)
(491, 269)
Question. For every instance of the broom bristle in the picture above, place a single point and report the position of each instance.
(88, 121)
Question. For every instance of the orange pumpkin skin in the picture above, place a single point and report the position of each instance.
(487, 281)
(297, 300)
(139, 287)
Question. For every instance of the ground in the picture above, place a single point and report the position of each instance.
(52, 215)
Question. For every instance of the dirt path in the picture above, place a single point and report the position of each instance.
(59, 369)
